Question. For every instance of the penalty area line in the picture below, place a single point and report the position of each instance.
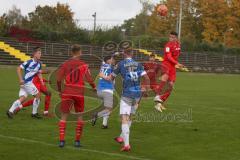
(73, 148)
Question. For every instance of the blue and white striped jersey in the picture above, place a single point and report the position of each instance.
(103, 84)
(131, 72)
(31, 68)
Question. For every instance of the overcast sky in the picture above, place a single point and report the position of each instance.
(109, 12)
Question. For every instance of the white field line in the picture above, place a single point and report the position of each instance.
(72, 148)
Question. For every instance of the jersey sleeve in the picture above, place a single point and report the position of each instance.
(102, 69)
(141, 70)
(89, 78)
(60, 74)
(25, 64)
(169, 55)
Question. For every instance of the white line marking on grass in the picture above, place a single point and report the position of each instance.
(69, 147)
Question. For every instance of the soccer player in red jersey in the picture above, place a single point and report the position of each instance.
(73, 74)
(172, 51)
(152, 67)
(42, 87)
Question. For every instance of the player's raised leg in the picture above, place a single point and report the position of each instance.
(107, 97)
(15, 105)
(168, 92)
(24, 105)
(105, 91)
(159, 89)
(47, 101)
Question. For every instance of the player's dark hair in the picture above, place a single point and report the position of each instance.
(107, 58)
(76, 48)
(36, 49)
(174, 33)
(128, 51)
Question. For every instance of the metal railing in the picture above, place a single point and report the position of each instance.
(202, 62)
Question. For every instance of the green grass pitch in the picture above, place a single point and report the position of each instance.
(201, 123)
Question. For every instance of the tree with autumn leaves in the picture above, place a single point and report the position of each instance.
(204, 23)
(215, 21)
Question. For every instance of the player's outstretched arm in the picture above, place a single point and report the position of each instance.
(60, 77)
(111, 77)
(101, 75)
(178, 65)
(46, 71)
(19, 73)
(171, 59)
(90, 79)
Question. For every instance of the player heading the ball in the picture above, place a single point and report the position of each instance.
(172, 51)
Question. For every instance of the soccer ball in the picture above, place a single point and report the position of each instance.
(162, 10)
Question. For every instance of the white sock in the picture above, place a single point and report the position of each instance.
(15, 104)
(36, 103)
(129, 124)
(105, 120)
(45, 112)
(125, 133)
(103, 113)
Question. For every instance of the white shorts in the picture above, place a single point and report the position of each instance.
(107, 97)
(28, 88)
(127, 105)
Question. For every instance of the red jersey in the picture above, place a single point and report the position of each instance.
(73, 73)
(152, 69)
(36, 80)
(172, 51)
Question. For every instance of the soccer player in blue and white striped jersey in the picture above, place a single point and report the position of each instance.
(105, 91)
(31, 68)
(131, 72)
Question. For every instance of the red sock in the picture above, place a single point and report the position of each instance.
(17, 109)
(62, 128)
(165, 96)
(79, 129)
(28, 103)
(47, 102)
(160, 87)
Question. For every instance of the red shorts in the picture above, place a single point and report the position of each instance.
(68, 102)
(169, 70)
(41, 88)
